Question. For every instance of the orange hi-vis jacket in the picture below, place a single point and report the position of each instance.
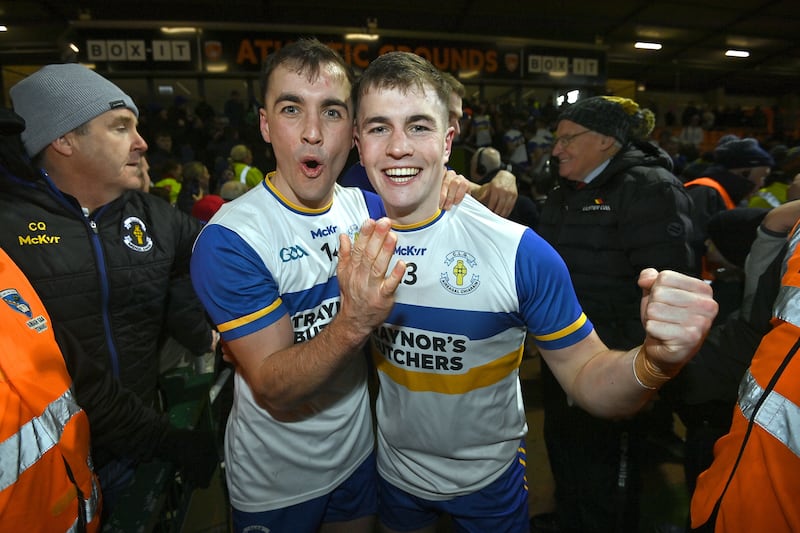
(708, 268)
(764, 492)
(714, 184)
(46, 479)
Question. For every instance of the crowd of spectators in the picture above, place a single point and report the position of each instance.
(522, 131)
(197, 149)
(689, 136)
(199, 158)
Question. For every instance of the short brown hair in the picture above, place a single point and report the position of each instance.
(455, 85)
(403, 71)
(306, 55)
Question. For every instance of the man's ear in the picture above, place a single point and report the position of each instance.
(263, 124)
(448, 143)
(607, 142)
(63, 145)
(357, 144)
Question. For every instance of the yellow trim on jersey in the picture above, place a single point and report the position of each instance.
(241, 321)
(578, 324)
(406, 227)
(473, 379)
(300, 208)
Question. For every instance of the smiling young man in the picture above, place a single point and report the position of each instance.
(451, 421)
(295, 302)
(498, 193)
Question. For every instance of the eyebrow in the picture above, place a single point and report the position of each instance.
(421, 118)
(409, 120)
(292, 97)
(123, 120)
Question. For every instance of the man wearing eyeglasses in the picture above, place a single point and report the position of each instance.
(616, 209)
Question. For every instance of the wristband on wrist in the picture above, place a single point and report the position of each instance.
(647, 375)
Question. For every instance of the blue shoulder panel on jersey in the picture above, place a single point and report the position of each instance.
(223, 268)
(547, 297)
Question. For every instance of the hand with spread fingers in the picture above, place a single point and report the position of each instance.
(367, 293)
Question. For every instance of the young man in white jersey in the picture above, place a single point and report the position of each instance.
(295, 302)
(451, 420)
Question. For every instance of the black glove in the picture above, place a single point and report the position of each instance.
(193, 452)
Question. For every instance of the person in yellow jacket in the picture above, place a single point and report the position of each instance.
(754, 481)
(47, 482)
(171, 180)
(241, 159)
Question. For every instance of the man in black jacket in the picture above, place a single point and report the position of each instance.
(109, 262)
(616, 209)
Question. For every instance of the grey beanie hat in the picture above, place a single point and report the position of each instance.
(58, 98)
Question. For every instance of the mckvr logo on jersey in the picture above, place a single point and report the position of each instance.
(409, 250)
(323, 232)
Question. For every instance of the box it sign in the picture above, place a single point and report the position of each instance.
(138, 50)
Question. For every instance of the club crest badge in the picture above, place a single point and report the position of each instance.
(511, 61)
(16, 302)
(461, 274)
(135, 235)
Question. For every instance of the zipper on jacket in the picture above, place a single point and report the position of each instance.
(94, 238)
(97, 246)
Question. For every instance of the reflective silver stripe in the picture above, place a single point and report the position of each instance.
(243, 174)
(91, 509)
(91, 503)
(769, 198)
(787, 304)
(777, 415)
(34, 439)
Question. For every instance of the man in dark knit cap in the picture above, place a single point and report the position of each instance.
(738, 171)
(616, 209)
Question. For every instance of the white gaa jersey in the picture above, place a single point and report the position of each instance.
(258, 259)
(450, 411)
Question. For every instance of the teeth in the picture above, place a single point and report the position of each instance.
(408, 171)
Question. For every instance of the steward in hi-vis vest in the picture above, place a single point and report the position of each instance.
(754, 481)
(46, 479)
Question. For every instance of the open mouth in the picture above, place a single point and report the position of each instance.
(312, 166)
